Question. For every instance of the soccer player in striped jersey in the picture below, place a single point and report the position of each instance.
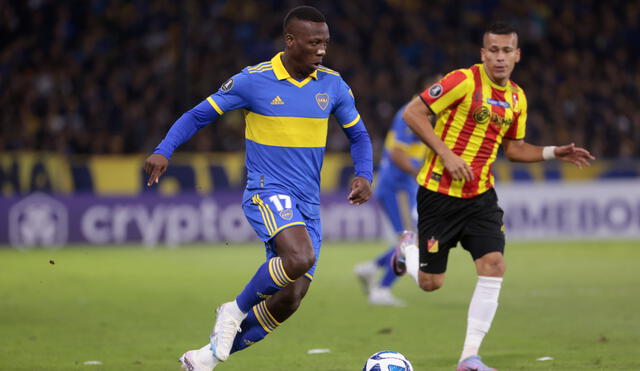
(476, 110)
(287, 103)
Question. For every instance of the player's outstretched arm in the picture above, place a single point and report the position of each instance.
(521, 151)
(360, 191)
(181, 130)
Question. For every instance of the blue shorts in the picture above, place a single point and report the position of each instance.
(270, 211)
(398, 202)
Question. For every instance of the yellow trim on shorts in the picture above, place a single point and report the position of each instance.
(287, 226)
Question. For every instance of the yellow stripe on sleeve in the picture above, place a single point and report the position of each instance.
(355, 121)
(214, 105)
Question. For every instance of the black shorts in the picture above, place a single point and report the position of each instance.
(443, 221)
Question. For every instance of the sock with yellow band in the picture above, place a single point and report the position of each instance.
(269, 279)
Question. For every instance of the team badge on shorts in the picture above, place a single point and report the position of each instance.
(286, 214)
(323, 100)
(432, 245)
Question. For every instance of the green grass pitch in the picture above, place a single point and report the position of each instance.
(133, 308)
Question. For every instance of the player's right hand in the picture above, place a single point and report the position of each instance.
(457, 167)
(154, 166)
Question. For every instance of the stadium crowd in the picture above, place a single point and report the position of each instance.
(110, 76)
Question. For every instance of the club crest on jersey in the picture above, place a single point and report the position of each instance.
(435, 91)
(323, 100)
(286, 214)
(227, 85)
(432, 245)
(481, 115)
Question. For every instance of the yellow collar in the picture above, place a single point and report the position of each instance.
(491, 82)
(281, 72)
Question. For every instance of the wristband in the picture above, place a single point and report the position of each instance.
(548, 153)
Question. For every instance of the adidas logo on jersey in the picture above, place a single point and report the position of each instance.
(277, 100)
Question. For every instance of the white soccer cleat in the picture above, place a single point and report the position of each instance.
(228, 320)
(366, 273)
(383, 296)
(198, 360)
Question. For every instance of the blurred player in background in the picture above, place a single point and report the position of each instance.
(288, 101)
(476, 110)
(395, 190)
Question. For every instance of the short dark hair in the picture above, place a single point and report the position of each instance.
(303, 13)
(500, 28)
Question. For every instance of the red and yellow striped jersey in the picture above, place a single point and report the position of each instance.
(473, 115)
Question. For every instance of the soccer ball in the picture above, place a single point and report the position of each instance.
(387, 361)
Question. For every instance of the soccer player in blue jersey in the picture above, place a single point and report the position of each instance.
(288, 101)
(395, 190)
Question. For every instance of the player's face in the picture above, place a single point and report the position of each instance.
(500, 53)
(306, 45)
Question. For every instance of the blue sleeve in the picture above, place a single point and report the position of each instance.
(349, 119)
(185, 127)
(403, 133)
(233, 94)
(230, 96)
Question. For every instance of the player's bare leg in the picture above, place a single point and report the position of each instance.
(286, 301)
(293, 246)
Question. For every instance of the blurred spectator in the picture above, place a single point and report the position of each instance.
(110, 76)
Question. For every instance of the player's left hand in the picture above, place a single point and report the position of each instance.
(360, 191)
(575, 155)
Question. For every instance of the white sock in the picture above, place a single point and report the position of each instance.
(206, 357)
(482, 309)
(412, 261)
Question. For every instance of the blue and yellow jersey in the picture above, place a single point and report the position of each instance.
(400, 136)
(286, 126)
